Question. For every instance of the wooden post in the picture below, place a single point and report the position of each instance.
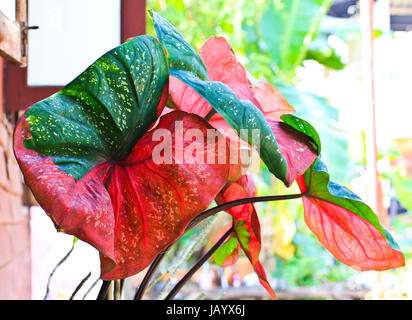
(21, 11)
(375, 196)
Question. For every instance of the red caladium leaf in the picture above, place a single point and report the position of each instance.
(345, 225)
(221, 66)
(295, 147)
(246, 229)
(87, 155)
(132, 209)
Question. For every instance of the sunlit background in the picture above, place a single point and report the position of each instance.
(314, 56)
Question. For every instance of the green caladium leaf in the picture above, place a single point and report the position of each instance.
(304, 127)
(104, 111)
(345, 225)
(181, 54)
(239, 114)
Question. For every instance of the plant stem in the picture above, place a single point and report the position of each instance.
(80, 285)
(110, 291)
(117, 290)
(149, 274)
(198, 264)
(103, 290)
(231, 204)
(91, 288)
(122, 285)
(55, 268)
(183, 258)
(204, 215)
(210, 114)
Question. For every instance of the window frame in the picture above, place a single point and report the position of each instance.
(13, 35)
(19, 95)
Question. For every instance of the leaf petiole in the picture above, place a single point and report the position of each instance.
(198, 264)
(204, 215)
(210, 114)
(149, 274)
(103, 290)
(80, 285)
(231, 204)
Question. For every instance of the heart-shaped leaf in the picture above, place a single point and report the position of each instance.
(239, 114)
(87, 156)
(345, 225)
(129, 210)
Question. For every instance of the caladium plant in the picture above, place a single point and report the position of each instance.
(90, 153)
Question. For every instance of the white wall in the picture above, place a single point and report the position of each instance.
(72, 35)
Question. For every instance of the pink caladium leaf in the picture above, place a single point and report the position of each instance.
(246, 227)
(222, 65)
(345, 225)
(296, 147)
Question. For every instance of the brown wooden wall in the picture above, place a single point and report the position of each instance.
(15, 266)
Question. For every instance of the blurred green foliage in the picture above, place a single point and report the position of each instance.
(402, 185)
(287, 28)
(270, 37)
(403, 226)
